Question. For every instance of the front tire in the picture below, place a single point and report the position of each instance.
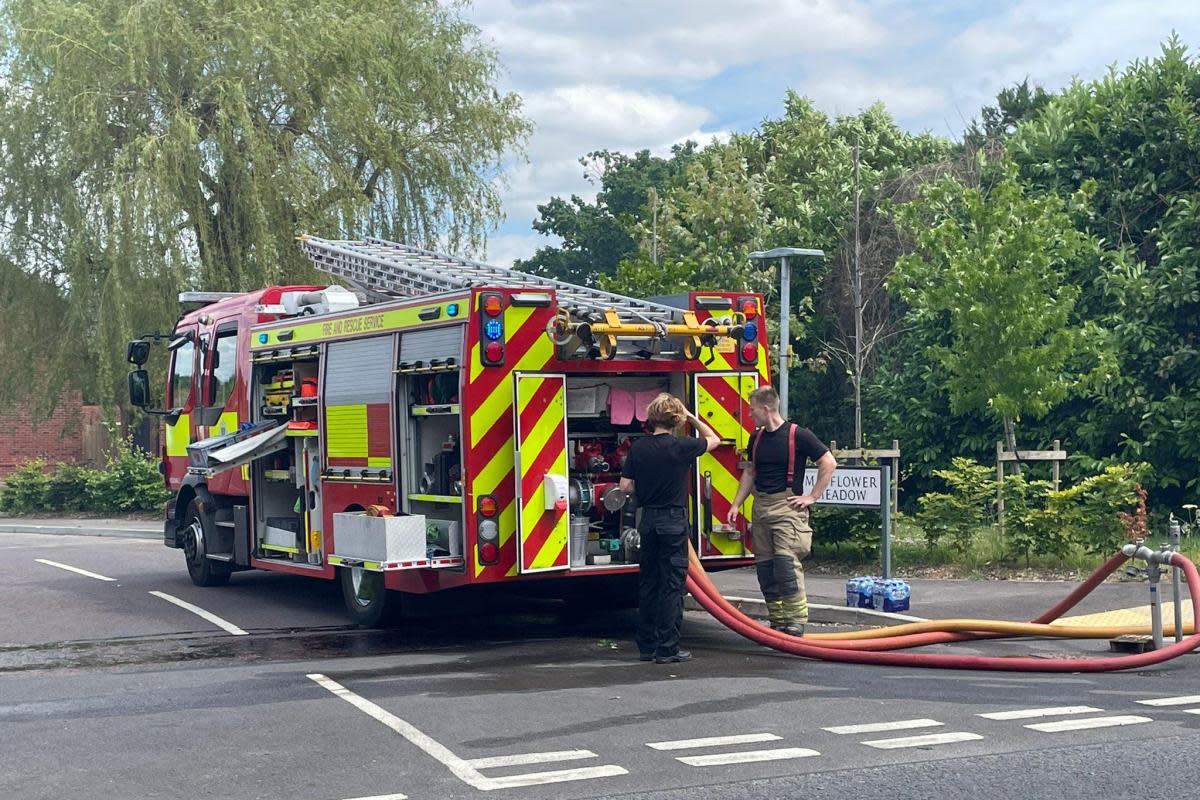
(367, 601)
(196, 532)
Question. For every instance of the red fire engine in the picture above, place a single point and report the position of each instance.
(447, 423)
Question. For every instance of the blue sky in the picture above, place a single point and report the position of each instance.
(626, 75)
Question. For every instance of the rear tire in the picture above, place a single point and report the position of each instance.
(197, 530)
(367, 601)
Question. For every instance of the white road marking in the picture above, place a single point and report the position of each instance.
(1172, 701)
(749, 757)
(76, 570)
(1084, 724)
(557, 776)
(715, 741)
(459, 767)
(224, 625)
(530, 758)
(1030, 713)
(879, 727)
(1191, 711)
(923, 741)
(382, 797)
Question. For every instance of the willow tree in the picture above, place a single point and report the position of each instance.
(168, 144)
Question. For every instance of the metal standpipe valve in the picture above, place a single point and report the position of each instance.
(1154, 564)
(1173, 533)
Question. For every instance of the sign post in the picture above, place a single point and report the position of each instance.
(861, 487)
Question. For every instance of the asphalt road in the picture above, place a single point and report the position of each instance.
(109, 690)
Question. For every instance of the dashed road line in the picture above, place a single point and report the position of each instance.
(519, 759)
(76, 570)
(1161, 702)
(382, 797)
(461, 768)
(715, 741)
(748, 757)
(929, 740)
(880, 727)
(1085, 724)
(1031, 713)
(224, 625)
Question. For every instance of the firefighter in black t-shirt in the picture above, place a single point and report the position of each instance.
(657, 468)
(779, 529)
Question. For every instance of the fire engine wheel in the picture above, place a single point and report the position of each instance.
(198, 529)
(367, 601)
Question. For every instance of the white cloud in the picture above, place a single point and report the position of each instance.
(627, 75)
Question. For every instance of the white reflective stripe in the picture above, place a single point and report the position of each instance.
(530, 758)
(1085, 724)
(749, 757)
(1172, 701)
(382, 797)
(76, 570)
(922, 741)
(714, 741)
(557, 776)
(224, 625)
(879, 727)
(1030, 713)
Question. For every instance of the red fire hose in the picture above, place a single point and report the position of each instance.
(861, 648)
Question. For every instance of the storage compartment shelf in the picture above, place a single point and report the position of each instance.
(301, 402)
(279, 548)
(436, 498)
(444, 409)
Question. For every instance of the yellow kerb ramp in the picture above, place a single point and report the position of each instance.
(1121, 617)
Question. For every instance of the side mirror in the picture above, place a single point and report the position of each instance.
(139, 388)
(137, 352)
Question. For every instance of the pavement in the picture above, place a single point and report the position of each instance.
(1114, 602)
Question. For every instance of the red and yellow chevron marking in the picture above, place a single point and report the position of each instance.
(542, 442)
(721, 402)
(488, 414)
(726, 351)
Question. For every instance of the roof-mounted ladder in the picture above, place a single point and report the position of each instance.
(392, 269)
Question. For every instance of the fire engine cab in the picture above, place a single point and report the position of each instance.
(445, 423)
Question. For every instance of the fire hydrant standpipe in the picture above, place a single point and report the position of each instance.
(862, 647)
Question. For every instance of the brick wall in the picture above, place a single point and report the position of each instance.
(58, 438)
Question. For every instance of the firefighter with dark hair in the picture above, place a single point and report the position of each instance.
(780, 530)
(657, 470)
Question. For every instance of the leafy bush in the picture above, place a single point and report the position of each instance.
(857, 529)
(25, 489)
(958, 513)
(130, 482)
(1091, 510)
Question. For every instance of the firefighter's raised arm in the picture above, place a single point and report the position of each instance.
(710, 436)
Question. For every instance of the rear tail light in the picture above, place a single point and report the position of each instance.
(491, 329)
(749, 307)
(488, 506)
(487, 530)
(748, 353)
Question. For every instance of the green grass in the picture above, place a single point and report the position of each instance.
(985, 557)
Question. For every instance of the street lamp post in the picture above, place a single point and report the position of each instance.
(785, 297)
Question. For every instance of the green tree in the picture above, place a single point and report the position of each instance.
(1135, 136)
(596, 236)
(990, 265)
(184, 143)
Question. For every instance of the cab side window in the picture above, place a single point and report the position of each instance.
(183, 371)
(224, 373)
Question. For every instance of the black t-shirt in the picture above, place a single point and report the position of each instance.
(659, 466)
(770, 471)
